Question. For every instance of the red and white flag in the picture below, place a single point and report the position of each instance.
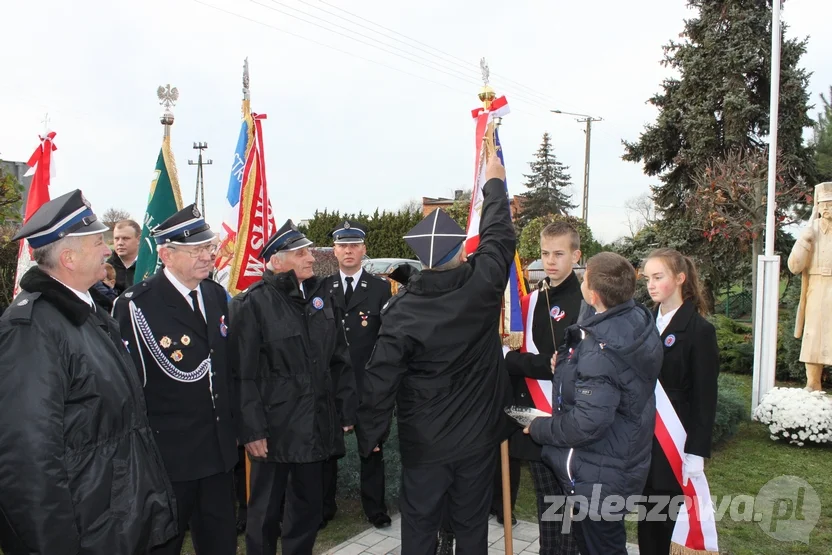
(540, 390)
(695, 530)
(43, 170)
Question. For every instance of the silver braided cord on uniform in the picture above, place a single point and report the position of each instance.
(138, 320)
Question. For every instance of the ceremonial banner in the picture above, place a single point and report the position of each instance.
(255, 221)
(42, 170)
(163, 202)
(695, 529)
(511, 324)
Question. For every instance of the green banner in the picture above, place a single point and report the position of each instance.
(163, 202)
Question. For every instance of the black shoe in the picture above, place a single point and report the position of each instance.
(380, 520)
(323, 524)
(501, 521)
(241, 525)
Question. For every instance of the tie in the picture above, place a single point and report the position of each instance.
(348, 292)
(195, 302)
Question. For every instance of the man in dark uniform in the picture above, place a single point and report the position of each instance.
(297, 392)
(79, 468)
(359, 297)
(175, 325)
(438, 358)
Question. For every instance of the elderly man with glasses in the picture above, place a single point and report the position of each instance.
(175, 325)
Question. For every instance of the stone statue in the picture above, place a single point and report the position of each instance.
(811, 256)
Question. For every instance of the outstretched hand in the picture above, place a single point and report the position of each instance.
(494, 168)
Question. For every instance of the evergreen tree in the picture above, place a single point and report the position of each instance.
(548, 183)
(823, 140)
(718, 103)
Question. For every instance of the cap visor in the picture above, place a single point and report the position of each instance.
(92, 229)
(196, 239)
(299, 244)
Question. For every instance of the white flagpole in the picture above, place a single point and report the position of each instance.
(768, 287)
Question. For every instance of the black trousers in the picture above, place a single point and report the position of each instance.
(302, 484)
(514, 484)
(600, 537)
(654, 536)
(372, 486)
(207, 505)
(240, 478)
(468, 484)
(553, 541)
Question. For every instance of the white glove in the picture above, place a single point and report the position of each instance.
(692, 467)
(505, 350)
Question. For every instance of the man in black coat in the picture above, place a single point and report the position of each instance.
(438, 356)
(126, 236)
(175, 325)
(297, 392)
(359, 297)
(80, 471)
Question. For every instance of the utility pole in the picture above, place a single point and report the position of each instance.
(200, 187)
(583, 118)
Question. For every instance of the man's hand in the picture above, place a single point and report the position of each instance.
(494, 168)
(348, 429)
(258, 448)
(526, 430)
(554, 362)
(376, 449)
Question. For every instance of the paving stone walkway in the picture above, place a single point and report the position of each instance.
(387, 541)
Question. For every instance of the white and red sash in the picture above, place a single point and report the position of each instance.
(695, 530)
(540, 390)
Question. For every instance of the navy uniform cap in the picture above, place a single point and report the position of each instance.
(436, 239)
(348, 231)
(186, 227)
(68, 215)
(287, 238)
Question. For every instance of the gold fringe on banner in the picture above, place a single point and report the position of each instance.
(514, 340)
(676, 549)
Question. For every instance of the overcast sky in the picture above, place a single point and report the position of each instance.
(350, 127)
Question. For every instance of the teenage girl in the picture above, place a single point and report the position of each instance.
(689, 377)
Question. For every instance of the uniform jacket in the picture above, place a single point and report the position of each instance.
(295, 381)
(561, 311)
(124, 276)
(191, 403)
(602, 427)
(80, 473)
(689, 377)
(361, 318)
(438, 354)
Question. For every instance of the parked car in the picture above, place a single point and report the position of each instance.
(535, 272)
(385, 266)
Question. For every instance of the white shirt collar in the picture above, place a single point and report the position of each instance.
(662, 320)
(355, 277)
(185, 292)
(83, 295)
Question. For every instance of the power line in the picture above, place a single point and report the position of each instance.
(521, 96)
(347, 53)
(459, 60)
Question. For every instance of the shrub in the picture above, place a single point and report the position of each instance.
(736, 352)
(730, 410)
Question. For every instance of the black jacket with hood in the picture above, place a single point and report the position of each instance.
(605, 407)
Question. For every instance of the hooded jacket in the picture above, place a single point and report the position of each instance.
(605, 407)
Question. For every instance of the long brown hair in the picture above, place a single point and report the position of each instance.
(678, 263)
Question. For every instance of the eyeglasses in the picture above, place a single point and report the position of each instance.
(209, 249)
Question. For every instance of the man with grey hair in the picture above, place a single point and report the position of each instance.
(79, 468)
(438, 357)
(297, 392)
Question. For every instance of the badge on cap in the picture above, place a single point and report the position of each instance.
(669, 340)
(346, 225)
(185, 340)
(165, 342)
(318, 303)
(176, 356)
(223, 327)
(195, 212)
